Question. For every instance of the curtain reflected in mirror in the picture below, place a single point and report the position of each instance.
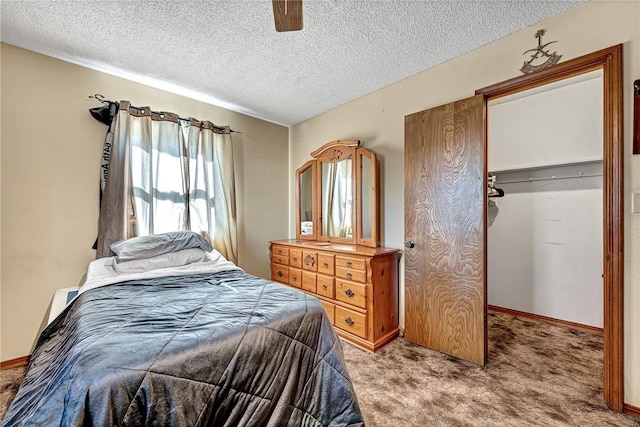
(337, 199)
(306, 202)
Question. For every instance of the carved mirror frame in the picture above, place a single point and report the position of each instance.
(364, 191)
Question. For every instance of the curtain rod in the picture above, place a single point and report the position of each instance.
(102, 99)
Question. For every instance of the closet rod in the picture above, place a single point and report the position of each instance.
(552, 178)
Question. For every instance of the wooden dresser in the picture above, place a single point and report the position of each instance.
(357, 285)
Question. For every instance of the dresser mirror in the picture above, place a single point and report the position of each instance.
(367, 197)
(305, 201)
(345, 208)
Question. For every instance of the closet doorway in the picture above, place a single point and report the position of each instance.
(609, 62)
(544, 234)
(446, 211)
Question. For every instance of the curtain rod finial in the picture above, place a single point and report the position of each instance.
(100, 98)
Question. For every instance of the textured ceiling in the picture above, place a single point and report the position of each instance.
(228, 52)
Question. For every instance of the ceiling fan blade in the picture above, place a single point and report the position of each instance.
(287, 14)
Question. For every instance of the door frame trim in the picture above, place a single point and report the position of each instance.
(609, 60)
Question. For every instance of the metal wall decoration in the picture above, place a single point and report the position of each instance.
(540, 53)
(636, 117)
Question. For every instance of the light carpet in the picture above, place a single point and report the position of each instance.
(538, 375)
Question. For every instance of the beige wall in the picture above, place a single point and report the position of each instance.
(51, 149)
(378, 120)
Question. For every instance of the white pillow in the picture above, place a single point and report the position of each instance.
(171, 259)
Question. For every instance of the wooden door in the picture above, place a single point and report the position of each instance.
(445, 229)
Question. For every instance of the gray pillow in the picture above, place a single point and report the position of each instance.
(172, 259)
(149, 246)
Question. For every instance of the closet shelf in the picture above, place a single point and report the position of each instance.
(549, 172)
(542, 167)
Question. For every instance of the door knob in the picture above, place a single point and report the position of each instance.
(410, 244)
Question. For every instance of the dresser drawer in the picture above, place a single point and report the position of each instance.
(280, 259)
(351, 293)
(355, 263)
(310, 260)
(330, 309)
(351, 274)
(295, 277)
(326, 286)
(280, 250)
(357, 286)
(279, 273)
(325, 264)
(295, 258)
(309, 281)
(350, 321)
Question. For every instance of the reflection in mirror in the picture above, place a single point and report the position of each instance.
(306, 202)
(337, 199)
(365, 197)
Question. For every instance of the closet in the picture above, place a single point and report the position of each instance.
(447, 213)
(544, 236)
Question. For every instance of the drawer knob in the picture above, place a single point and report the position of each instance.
(309, 260)
(325, 264)
(324, 287)
(349, 264)
(295, 279)
(295, 259)
(349, 321)
(349, 293)
(348, 275)
(279, 273)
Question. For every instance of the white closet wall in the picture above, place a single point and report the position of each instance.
(545, 235)
(557, 123)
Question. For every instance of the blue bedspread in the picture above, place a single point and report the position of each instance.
(223, 349)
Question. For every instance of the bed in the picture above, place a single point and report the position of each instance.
(202, 343)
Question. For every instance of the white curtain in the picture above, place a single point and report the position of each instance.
(168, 174)
(157, 170)
(210, 165)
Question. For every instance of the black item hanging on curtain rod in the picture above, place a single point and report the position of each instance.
(106, 113)
(102, 115)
